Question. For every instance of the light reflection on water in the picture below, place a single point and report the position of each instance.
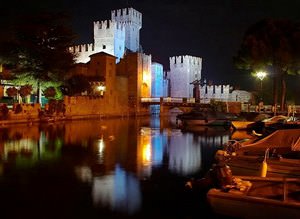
(114, 158)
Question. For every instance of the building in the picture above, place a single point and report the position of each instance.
(183, 71)
(157, 84)
(137, 67)
(157, 80)
(115, 36)
(120, 86)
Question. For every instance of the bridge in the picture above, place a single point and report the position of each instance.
(167, 103)
(186, 104)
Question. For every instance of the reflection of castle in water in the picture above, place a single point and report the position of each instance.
(185, 151)
(114, 154)
(119, 191)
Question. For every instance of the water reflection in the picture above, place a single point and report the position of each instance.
(184, 155)
(111, 157)
(120, 191)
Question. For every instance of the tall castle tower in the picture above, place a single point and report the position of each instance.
(109, 37)
(113, 36)
(132, 20)
(183, 71)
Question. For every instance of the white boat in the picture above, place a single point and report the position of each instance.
(282, 141)
(264, 197)
(284, 148)
(275, 166)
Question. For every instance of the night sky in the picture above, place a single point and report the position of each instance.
(210, 29)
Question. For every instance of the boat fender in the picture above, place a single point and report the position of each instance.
(264, 165)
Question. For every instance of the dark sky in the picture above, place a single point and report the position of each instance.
(210, 29)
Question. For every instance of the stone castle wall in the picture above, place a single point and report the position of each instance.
(183, 71)
(132, 20)
(94, 106)
(113, 36)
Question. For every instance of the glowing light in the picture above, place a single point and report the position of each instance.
(261, 75)
(101, 88)
(146, 154)
(101, 146)
(146, 78)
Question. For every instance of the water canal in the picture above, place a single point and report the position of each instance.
(114, 168)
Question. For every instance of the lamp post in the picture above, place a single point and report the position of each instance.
(261, 75)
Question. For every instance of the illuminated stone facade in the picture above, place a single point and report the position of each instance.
(113, 36)
(157, 80)
(125, 84)
(183, 71)
(186, 69)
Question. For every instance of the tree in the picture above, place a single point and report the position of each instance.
(76, 85)
(12, 92)
(39, 51)
(273, 46)
(50, 92)
(25, 90)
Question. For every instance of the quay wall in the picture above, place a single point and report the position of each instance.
(85, 106)
(80, 107)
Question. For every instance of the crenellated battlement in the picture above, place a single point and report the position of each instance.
(108, 29)
(186, 60)
(107, 24)
(216, 92)
(82, 48)
(127, 16)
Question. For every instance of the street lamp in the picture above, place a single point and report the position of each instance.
(261, 75)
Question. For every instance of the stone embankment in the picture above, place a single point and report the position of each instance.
(69, 109)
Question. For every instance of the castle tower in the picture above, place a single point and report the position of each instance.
(183, 71)
(109, 37)
(132, 21)
(157, 80)
(113, 36)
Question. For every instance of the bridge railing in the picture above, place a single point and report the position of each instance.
(150, 99)
(167, 100)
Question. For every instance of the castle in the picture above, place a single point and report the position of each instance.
(120, 36)
(114, 36)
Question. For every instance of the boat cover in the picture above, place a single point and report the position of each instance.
(282, 138)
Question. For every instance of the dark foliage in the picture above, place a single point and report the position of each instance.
(274, 46)
(76, 85)
(38, 48)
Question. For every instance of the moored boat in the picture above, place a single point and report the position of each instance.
(246, 158)
(201, 118)
(282, 141)
(259, 197)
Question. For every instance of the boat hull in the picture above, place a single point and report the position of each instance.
(270, 197)
(240, 125)
(251, 165)
(203, 122)
(241, 206)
